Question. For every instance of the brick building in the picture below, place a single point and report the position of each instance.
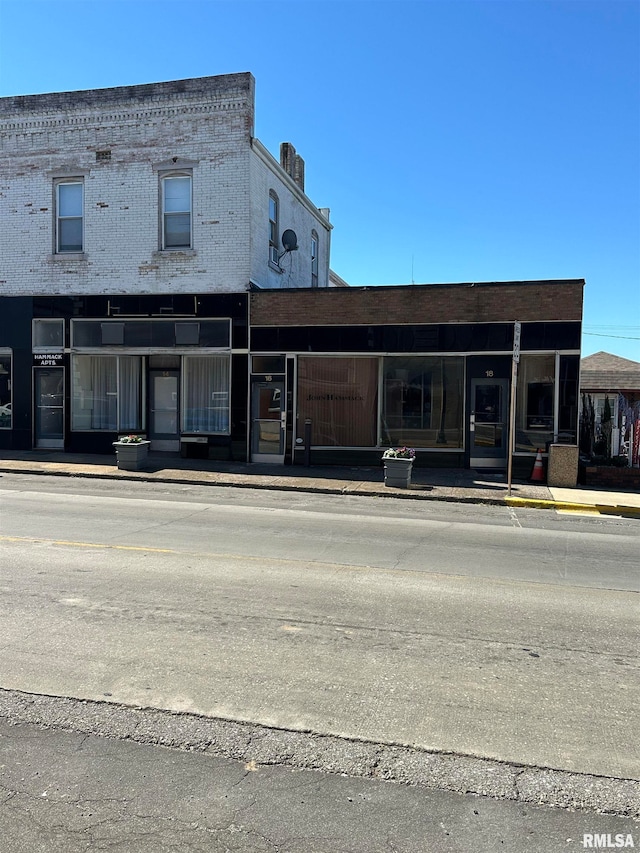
(134, 221)
(162, 273)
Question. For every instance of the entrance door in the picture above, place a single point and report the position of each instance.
(268, 422)
(164, 406)
(49, 406)
(488, 428)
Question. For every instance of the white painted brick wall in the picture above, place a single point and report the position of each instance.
(296, 213)
(209, 120)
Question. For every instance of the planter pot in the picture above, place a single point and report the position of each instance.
(397, 473)
(562, 470)
(131, 457)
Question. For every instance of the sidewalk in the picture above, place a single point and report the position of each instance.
(442, 484)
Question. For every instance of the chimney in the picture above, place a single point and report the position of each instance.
(287, 157)
(298, 172)
(292, 163)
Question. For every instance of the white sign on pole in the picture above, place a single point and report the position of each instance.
(517, 329)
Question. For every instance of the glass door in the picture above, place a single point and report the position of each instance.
(164, 406)
(268, 422)
(49, 407)
(488, 426)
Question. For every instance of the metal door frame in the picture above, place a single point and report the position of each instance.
(51, 443)
(256, 386)
(492, 457)
(163, 441)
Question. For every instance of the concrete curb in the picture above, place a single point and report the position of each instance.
(598, 509)
(274, 483)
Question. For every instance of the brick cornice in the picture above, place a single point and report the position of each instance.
(126, 104)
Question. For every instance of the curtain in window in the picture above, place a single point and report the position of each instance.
(340, 396)
(129, 392)
(104, 388)
(207, 394)
(95, 392)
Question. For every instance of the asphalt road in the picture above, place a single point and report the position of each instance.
(465, 628)
(66, 792)
(509, 637)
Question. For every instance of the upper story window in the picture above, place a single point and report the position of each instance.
(176, 212)
(69, 216)
(273, 228)
(314, 259)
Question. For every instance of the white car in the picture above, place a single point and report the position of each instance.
(5, 410)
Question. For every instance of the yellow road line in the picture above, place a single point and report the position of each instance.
(265, 562)
(88, 544)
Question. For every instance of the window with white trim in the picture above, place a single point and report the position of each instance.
(314, 259)
(69, 216)
(273, 228)
(176, 191)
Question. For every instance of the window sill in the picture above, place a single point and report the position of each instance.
(167, 253)
(275, 267)
(59, 257)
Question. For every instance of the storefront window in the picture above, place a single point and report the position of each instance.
(5, 391)
(207, 394)
(340, 396)
(423, 402)
(535, 402)
(107, 393)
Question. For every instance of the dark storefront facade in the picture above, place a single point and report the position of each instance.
(195, 375)
(80, 371)
(346, 391)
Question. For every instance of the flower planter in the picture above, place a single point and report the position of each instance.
(397, 472)
(131, 456)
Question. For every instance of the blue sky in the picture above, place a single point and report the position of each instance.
(453, 140)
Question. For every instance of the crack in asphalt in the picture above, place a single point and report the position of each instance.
(20, 802)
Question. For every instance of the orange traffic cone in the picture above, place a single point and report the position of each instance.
(537, 475)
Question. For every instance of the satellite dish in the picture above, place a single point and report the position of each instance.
(289, 240)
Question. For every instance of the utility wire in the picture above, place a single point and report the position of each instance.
(620, 337)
